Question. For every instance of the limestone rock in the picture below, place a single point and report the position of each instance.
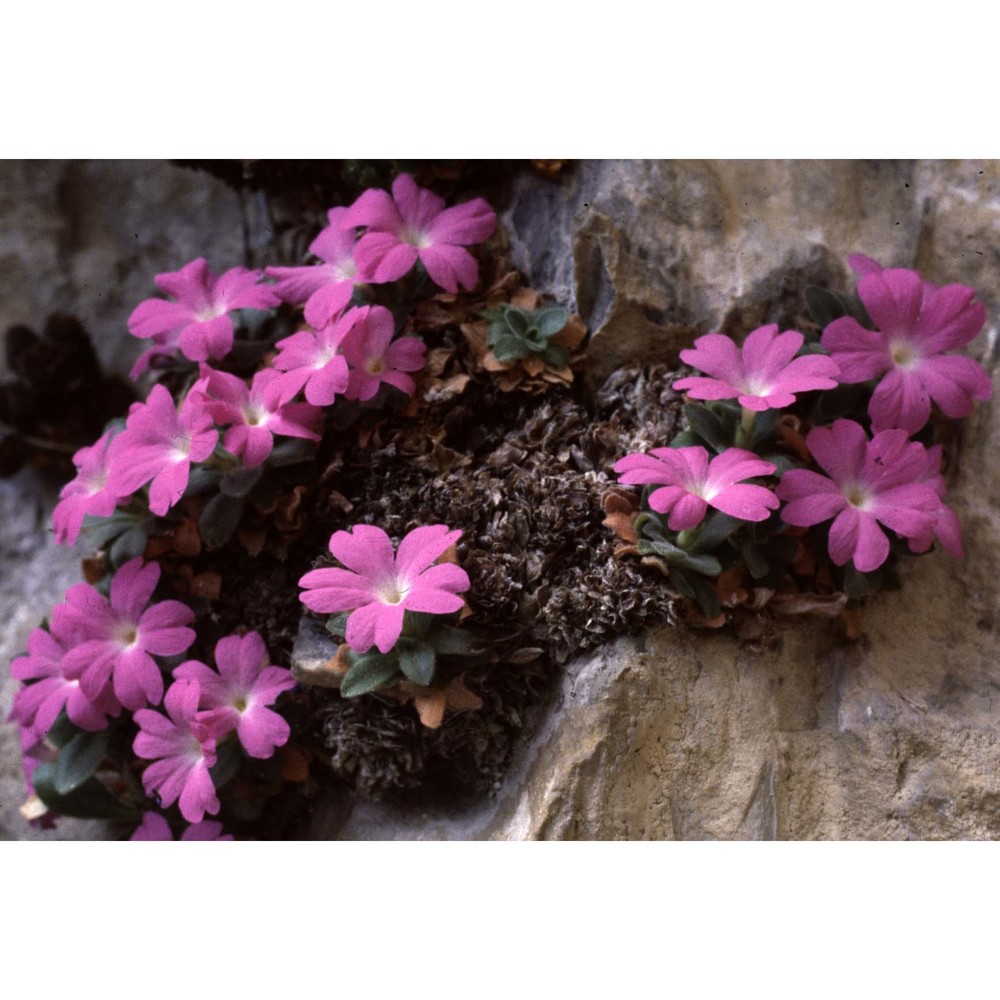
(87, 237)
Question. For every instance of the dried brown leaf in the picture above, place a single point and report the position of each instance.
(294, 763)
(817, 605)
(207, 585)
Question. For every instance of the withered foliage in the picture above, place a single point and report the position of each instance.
(522, 476)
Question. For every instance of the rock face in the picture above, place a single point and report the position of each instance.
(675, 734)
(688, 735)
(87, 237)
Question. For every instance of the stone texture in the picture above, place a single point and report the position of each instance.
(87, 237)
(688, 735)
(675, 734)
(34, 574)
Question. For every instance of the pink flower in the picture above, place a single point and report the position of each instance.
(158, 445)
(413, 224)
(692, 484)
(914, 329)
(115, 641)
(765, 374)
(861, 265)
(378, 587)
(199, 320)
(311, 359)
(258, 412)
(238, 696)
(155, 827)
(89, 493)
(183, 749)
(325, 288)
(375, 357)
(868, 483)
(947, 529)
(37, 705)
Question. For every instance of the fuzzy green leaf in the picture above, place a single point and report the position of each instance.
(78, 760)
(291, 451)
(338, 624)
(240, 481)
(550, 321)
(453, 642)
(417, 661)
(227, 763)
(129, 545)
(62, 731)
(90, 800)
(368, 671)
(715, 529)
(555, 355)
(707, 426)
(509, 348)
(219, 520)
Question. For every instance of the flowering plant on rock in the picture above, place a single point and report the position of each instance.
(151, 698)
(832, 427)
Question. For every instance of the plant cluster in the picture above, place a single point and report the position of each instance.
(811, 458)
(122, 707)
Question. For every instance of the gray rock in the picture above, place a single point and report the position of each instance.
(675, 734)
(87, 237)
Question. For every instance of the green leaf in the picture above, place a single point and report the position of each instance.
(715, 529)
(102, 530)
(368, 671)
(508, 348)
(707, 426)
(91, 800)
(62, 731)
(78, 760)
(453, 642)
(824, 306)
(858, 584)
(704, 564)
(417, 661)
(550, 321)
(129, 545)
(227, 763)
(756, 560)
(240, 481)
(706, 597)
(681, 582)
(219, 520)
(291, 451)
(338, 624)
(202, 480)
(685, 439)
(555, 355)
(516, 319)
(763, 425)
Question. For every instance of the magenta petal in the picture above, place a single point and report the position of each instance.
(361, 626)
(688, 512)
(900, 401)
(860, 354)
(954, 382)
(366, 550)
(384, 257)
(747, 502)
(472, 222)
(872, 546)
(328, 302)
(840, 450)
(844, 535)
(198, 795)
(260, 731)
(450, 266)
(168, 487)
(421, 547)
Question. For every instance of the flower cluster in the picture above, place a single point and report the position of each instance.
(241, 389)
(873, 487)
